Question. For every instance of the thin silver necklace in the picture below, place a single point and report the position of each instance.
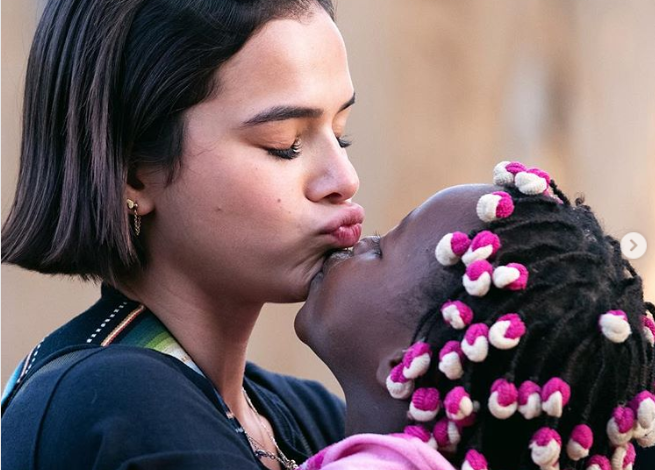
(259, 449)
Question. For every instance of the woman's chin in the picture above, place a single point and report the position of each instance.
(296, 288)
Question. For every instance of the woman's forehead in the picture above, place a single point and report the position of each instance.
(287, 56)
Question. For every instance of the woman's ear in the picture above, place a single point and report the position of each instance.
(140, 190)
(387, 363)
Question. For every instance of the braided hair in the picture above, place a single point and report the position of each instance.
(577, 273)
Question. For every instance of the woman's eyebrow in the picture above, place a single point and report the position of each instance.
(281, 113)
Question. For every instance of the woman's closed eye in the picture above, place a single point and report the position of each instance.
(296, 148)
(288, 153)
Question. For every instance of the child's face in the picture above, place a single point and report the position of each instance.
(366, 304)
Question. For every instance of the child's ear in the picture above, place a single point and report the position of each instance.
(387, 363)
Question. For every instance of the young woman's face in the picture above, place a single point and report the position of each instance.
(365, 304)
(265, 186)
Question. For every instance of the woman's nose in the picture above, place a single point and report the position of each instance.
(335, 178)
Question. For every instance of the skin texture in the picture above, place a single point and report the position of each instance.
(239, 227)
(363, 308)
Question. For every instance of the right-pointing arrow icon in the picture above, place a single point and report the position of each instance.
(633, 245)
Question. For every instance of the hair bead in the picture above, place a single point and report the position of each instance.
(645, 437)
(648, 325)
(503, 401)
(399, 386)
(513, 276)
(474, 460)
(532, 182)
(598, 462)
(502, 177)
(483, 246)
(623, 457)
(620, 425)
(614, 325)
(416, 360)
(643, 405)
(477, 279)
(505, 172)
(425, 404)
(555, 395)
(475, 344)
(421, 433)
(447, 434)
(458, 404)
(451, 247)
(546, 446)
(507, 331)
(450, 360)
(580, 442)
(530, 400)
(639, 432)
(457, 314)
(494, 206)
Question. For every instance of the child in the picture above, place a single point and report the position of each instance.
(530, 345)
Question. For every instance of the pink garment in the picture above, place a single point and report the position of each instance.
(380, 452)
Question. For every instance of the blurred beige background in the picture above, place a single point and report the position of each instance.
(445, 90)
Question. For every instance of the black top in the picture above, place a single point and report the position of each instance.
(124, 406)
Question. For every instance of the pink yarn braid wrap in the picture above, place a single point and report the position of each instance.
(458, 404)
(649, 329)
(474, 460)
(555, 395)
(483, 246)
(425, 404)
(503, 401)
(457, 314)
(643, 405)
(580, 442)
(451, 360)
(529, 399)
(416, 360)
(598, 462)
(477, 278)
(475, 344)
(620, 425)
(497, 205)
(546, 446)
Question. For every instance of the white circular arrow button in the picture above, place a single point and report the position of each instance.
(633, 245)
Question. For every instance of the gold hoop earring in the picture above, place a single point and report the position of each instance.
(134, 207)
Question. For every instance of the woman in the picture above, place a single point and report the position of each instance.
(524, 343)
(190, 155)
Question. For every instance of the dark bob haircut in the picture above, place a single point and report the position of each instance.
(106, 88)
